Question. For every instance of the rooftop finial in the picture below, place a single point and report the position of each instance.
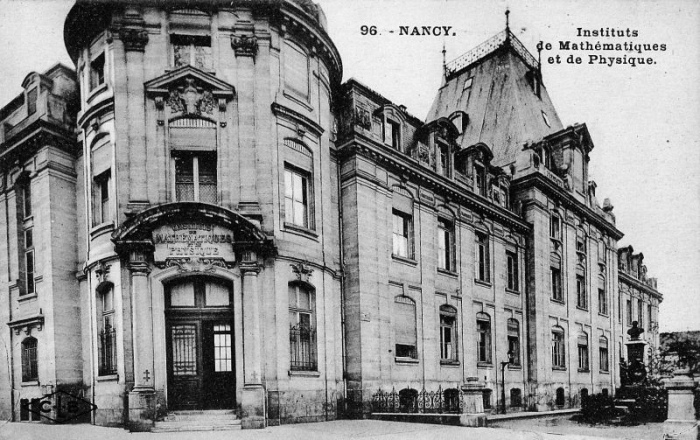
(507, 19)
(444, 59)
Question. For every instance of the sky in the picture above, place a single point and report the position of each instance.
(642, 119)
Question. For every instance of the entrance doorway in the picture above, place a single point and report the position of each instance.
(199, 333)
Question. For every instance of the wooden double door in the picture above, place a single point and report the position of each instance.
(199, 332)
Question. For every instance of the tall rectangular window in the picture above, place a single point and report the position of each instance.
(302, 328)
(602, 302)
(640, 313)
(296, 69)
(581, 297)
(101, 206)
(30, 363)
(405, 333)
(480, 179)
(483, 329)
(557, 293)
(650, 321)
(31, 101)
(603, 354)
(448, 340)
(108, 346)
(583, 364)
(192, 50)
(514, 340)
(558, 349)
(482, 258)
(97, 71)
(444, 159)
(512, 268)
(29, 262)
(296, 197)
(401, 234)
(195, 177)
(555, 227)
(445, 244)
(392, 134)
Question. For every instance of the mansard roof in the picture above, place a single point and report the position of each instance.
(496, 85)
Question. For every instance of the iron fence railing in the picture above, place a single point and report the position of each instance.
(409, 400)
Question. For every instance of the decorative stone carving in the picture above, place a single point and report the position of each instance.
(191, 99)
(244, 45)
(102, 272)
(302, 271)
(196, 265)
(134, 39)
(362, 119)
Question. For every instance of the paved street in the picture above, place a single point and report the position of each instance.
(337, 430)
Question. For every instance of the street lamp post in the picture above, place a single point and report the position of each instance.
(503, 380)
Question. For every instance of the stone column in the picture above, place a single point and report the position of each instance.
(142, 396)
(253, 396)
(473, 410)
(681, 423)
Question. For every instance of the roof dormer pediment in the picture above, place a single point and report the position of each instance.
(189, 76)
(189, 91)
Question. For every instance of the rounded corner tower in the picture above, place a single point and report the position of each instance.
(209, 224)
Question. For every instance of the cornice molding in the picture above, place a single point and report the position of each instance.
(411, 169)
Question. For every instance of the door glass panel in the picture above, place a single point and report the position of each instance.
(184, 340)
(182, 295)
(222, 348)
(216, 295)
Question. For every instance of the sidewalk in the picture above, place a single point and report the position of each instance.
(336, 430)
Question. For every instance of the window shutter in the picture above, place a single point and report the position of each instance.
(101, 159)
(405, 318)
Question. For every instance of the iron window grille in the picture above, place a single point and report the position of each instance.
(30, 367)
(108, 352)
(302, 343)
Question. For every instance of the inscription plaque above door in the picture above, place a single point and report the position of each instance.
(193, 244)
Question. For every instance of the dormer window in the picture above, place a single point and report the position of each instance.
(31, 101)
(97, 71)
(479, 179)
(392, 134)
(192, 50)
(443, 151)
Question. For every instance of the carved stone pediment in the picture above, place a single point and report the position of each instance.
(189, 91)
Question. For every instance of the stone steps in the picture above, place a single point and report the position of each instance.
(210, 420)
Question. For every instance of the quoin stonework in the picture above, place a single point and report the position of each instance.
(203, 216)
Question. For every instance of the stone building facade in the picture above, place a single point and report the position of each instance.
(219, 223)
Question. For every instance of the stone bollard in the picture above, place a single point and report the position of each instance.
(473, 410)
(681, 423)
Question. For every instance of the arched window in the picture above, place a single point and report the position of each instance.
(603, 354)
(405, 334)
(483, 328)
(560, 399)
(302, 330)
(448, 333)
(514, 340)
(558, 348)
(30, 368)
(583, 364)
(107, 333)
